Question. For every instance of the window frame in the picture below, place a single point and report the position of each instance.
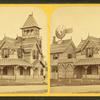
(55, 56)
(89, 52)
(69, 56)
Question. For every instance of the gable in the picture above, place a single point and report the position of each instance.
(71, 48)
(61, 47)
(7, 43)
(89, 42)
(89, 45)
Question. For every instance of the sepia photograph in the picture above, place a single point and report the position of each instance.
(23, 50)
(75, 50)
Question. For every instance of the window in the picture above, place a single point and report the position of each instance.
(5, 53)
(69, 56)
(54, 69)
(89, 70)
(21, 71)
(35, 54)
(28, 71)
(55, 56)
(89, 52)
(5, 71)
(20, 52)
(28, 31)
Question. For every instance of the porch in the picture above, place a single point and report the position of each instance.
(88, 68)
(12, 69)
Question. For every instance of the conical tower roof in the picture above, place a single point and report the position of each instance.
(30, 22)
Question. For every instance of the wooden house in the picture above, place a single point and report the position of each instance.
(22, 58)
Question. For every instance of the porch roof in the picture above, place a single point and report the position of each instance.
(9, 62)
(66, 60)
(87, 61)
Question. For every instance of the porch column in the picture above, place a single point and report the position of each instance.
(58, 71)
(1, 68)
(85, 67)
(25, 69)
(15, 72)
(73, 71)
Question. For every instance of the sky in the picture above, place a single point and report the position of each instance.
(84, 20)
(13, 18)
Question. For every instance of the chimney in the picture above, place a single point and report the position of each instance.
(54, 39)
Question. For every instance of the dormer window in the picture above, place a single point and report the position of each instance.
(69, 56)
(89, 52)
(55, 56)
(5, 53)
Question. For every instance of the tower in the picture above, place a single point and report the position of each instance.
(30, 28)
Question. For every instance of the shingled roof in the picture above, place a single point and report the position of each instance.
(60, 47)
(87, 61)
(30, 22)
(9, 62)
(94, 40)
(7, 42)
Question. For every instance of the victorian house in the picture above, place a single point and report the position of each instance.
(82, 62)
(22, 58)
(87, 64)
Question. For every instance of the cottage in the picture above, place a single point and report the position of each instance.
(22, 58)
(87, 64)
(82, 62)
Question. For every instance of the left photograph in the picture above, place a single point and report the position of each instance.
(23, 50)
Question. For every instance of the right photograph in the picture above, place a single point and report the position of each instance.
(75, 50)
